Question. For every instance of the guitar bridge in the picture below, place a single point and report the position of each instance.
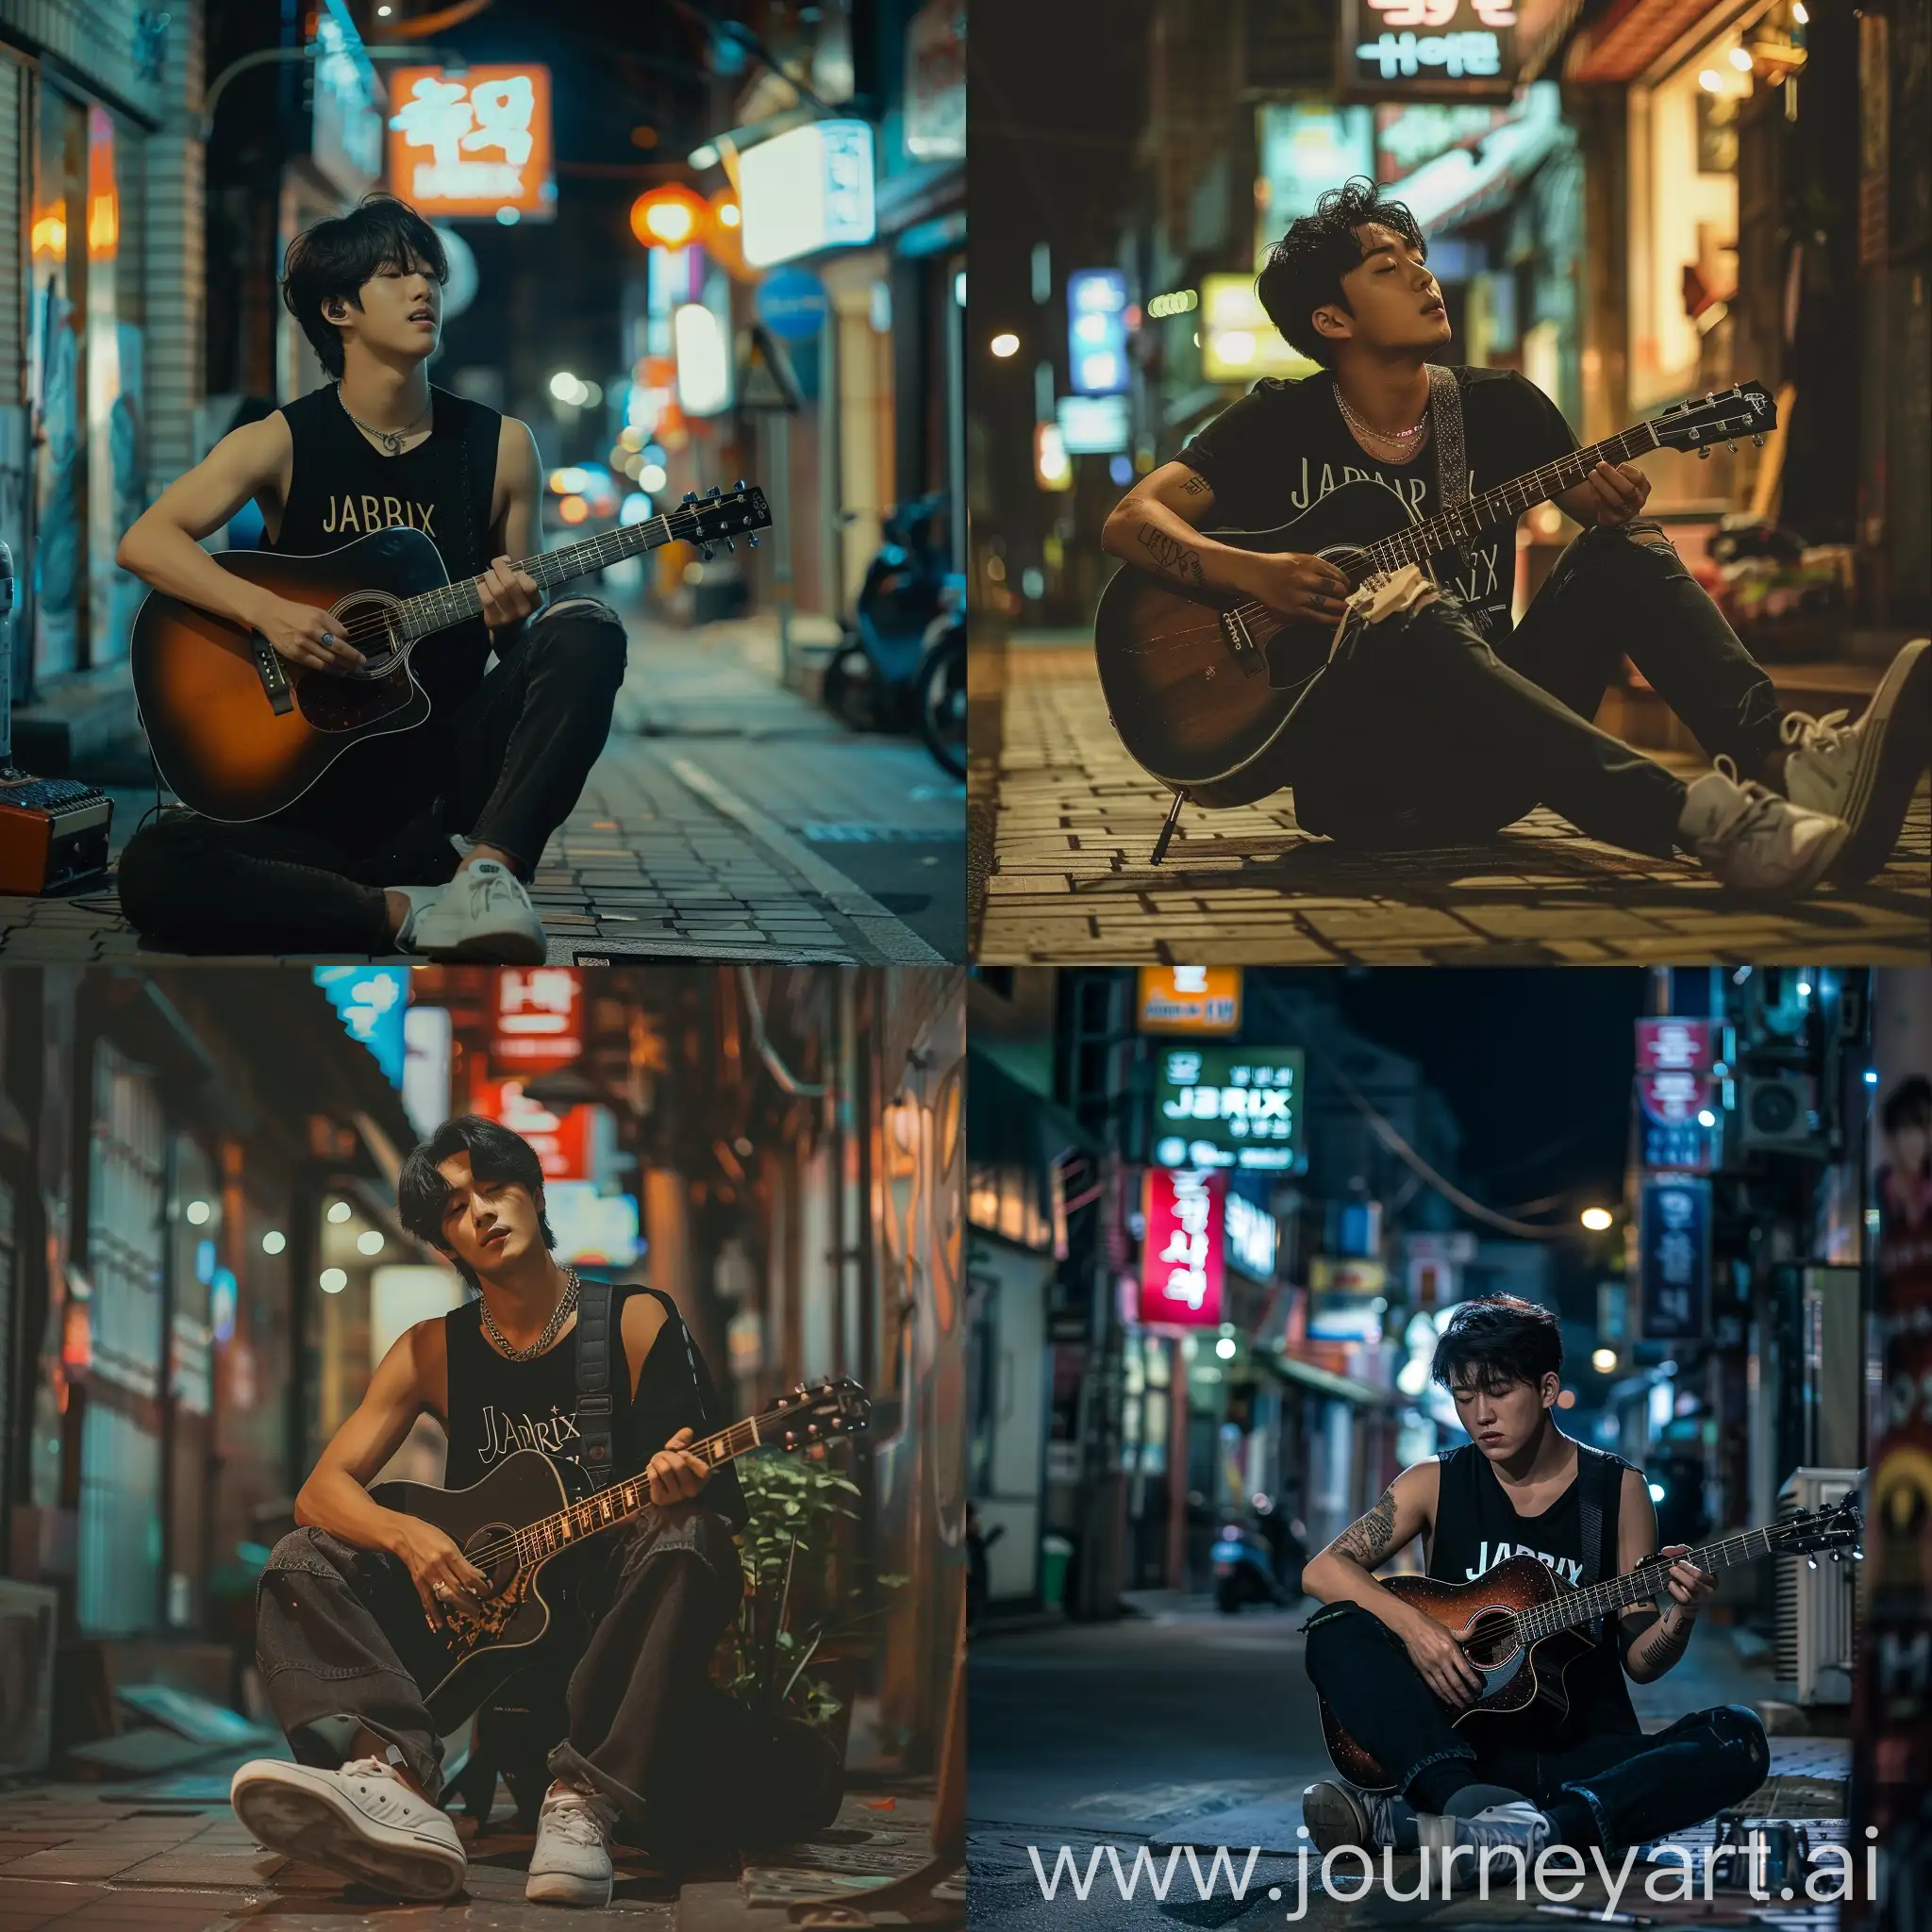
(275, 676)
(1241, 644)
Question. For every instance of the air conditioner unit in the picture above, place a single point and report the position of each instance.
(1777, 1113)
(30, 1619)
(1816, 1622)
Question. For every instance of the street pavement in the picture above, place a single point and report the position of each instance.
(1071, 820)
(1180, 1727)
(167, 1855)
(730, 816)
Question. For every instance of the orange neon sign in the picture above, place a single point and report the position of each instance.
(472, 144)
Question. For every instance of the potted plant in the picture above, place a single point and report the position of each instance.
(791, 1652)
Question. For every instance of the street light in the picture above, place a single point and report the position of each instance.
(198, 1212)
(273, 1241)
(339, 1211)
(1004, 344)
(1597, 1219)
(668, 217)
(334, 1281)
(1604, 1360)
(370, 1241)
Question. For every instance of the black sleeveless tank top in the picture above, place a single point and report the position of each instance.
(342, 486)
(1477, 1527)
(497, 1406)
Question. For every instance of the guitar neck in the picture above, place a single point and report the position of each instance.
(1644, 1583)
(1506, 502)
(624, 1501)
(453, 604)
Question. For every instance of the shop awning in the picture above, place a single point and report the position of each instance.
(1632, 34)
(1324, 1381)
(1008, 1124)
(1464, 183)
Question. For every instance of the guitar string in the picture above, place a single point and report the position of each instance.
(1451, 526)
(704, 1449)
(545, 568)
(1580, 1606)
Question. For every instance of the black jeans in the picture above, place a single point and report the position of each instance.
(336, 1630)
(1636, 1785)
(1419, 732)
(506, 771)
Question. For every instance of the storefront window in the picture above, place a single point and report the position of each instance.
(85, 341)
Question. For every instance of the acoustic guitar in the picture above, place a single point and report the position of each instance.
(1523, 1630)
(521, 1525)
(239, 733)
(1199, 683)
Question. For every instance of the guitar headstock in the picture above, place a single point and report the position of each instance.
(1746, 411)
(1814, 1532)
(720, 515)
(815, 1413)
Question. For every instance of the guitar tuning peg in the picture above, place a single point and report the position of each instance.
(731, 546)
(1734, 449)
(1704, 455)
(739, 484)
(1812, 1562)
(753, 542)
(691, 496)
(1857, 1554)
(705, 552)
(1759, 440)
(712, 494)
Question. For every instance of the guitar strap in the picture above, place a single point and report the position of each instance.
(595, 1301)
(1452, 458)
(595, 1352)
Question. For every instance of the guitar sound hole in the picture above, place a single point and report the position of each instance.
(372, 627)
(493, 1549)
(1491, 1641)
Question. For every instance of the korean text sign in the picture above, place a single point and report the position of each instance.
(1675, 1286)
(1181, 1261)
(470, 144)
(1228, 1106)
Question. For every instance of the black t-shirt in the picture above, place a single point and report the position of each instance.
(1284, 447)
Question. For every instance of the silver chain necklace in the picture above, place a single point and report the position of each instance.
(1395, 436)
(566, 1302)
(392, 440)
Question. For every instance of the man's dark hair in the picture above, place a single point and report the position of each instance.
(1304, 269)
(496, 1155)
(334, 258)
(1494, 1342)
(1909, 1104)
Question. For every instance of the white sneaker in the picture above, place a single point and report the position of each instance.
(1865, 773)
(570, 1862)
(1755, 841)
(1344, 1814)
(483, 913)
(1518, 1826)
(421, 899)
(361, 1821)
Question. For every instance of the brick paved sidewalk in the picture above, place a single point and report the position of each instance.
(168, 1856)
(708, 830)
(1076, 820)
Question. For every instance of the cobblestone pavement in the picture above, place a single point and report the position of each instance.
(1076, 821)
(728, 818)
(168, 1856)
(1184, 1728)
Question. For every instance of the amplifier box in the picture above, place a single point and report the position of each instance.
(52, 832)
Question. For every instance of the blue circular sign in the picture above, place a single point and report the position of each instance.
(791, 304)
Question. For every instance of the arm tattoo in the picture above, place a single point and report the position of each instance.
(1171, 555)
(1194, 486)
(1370, 1540)
(1655, 1644)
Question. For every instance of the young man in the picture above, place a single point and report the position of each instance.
(1437, 725)
(367, 861)
(1394, 1680)
(340, 1598)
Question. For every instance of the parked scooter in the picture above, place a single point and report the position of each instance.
(1246, 1571)
(903, 665)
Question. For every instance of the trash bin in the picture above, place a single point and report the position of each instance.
(1055, 1553)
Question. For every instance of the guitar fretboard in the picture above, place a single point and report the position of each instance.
(1647, 1581)
(1506, 502)
(624, 1499)
(452, 604)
